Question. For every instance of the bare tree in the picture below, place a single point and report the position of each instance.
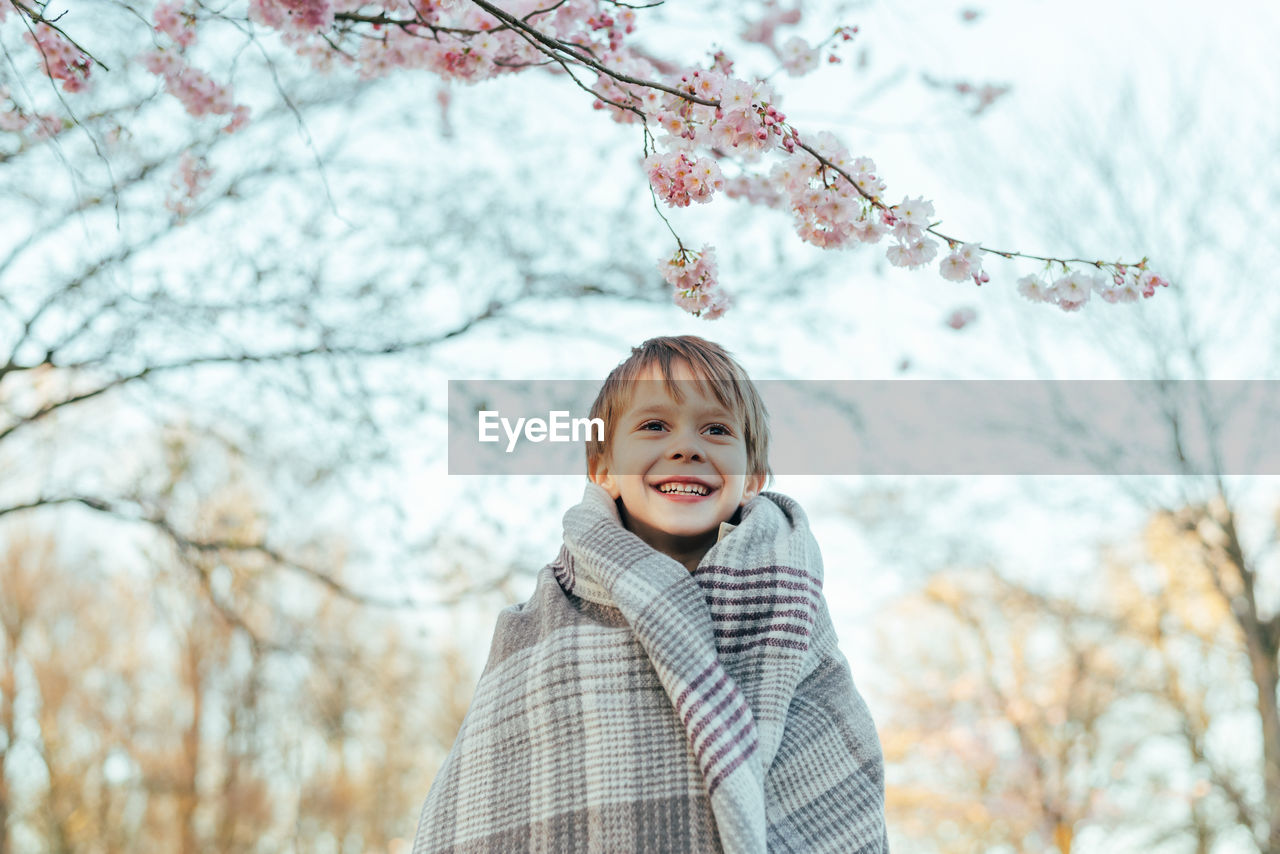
(143, 710)
(1031, 720)
(1205, 617)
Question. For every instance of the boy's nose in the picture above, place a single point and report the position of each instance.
(684, 446)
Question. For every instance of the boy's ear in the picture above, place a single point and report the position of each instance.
(601, 476)
(755, 483)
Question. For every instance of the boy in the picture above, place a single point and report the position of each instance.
(674, 683)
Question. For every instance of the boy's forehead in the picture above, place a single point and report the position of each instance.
(650, 392)
(664, 403)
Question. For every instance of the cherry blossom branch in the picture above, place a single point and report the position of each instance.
(70, 64)
(51, 23)
(385, 20)
(680, 182)
(874, 201)
(527, 33)
(954, 241)
(557, 44)
(420, 21)
(708, 117)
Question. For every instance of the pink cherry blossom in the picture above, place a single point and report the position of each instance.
(170, 20)
(12, 120)
(865, 177)
(756, 189)
(188, 182)
(60, 58)
(763, 30)
(1035, 289)
(735, 95)
(1148, 282)
(972, 255)
(826, 217)
(199, 93)
(911, 218)
(239, 118)
(301, 16)
(1127, 292)
(1072, 291)
(47, 127)
(708, 303)
(914, 254)
(954, 267)
(679, 179)
(697, 290)
(687, 270)
(798, 57)
(162, 63)
(961, 317)
(868, 229)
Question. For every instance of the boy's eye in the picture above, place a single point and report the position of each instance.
(723, 430)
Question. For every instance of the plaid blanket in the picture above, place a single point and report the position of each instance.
(631, 706)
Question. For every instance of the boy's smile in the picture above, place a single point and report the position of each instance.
(684, 488)
(678, 468)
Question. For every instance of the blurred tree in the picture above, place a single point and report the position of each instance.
(996, 736)
(141, 709)
(1200, 617)
(1198, 339)
(1025, 721)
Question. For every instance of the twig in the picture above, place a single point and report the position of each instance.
(492, 310)
(40, 19)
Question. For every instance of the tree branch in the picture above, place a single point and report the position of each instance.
(493, 310)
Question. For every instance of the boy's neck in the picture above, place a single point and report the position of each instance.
(687, 551)
(691, 560)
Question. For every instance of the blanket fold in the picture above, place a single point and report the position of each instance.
(631, 705)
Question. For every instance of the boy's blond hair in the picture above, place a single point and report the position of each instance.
(729, 384)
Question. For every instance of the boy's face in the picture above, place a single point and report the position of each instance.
(657, 441)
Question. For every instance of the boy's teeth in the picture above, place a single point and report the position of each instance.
(692, 488)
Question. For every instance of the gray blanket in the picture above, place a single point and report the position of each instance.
(631, 706)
